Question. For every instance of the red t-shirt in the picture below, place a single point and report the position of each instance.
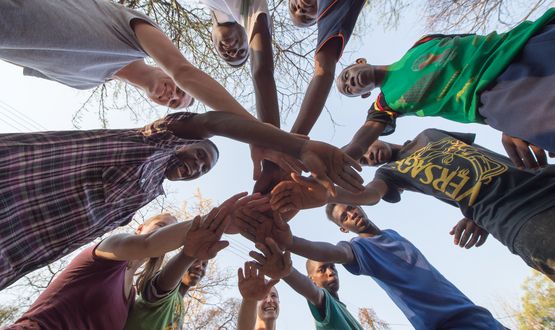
(88, 294)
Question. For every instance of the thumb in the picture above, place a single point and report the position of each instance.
(272, 282)
(452, 232)
(303, 181)
(217, 247)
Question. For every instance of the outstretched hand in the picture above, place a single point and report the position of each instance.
(252, 284)
(203, 238)
(330, 165)
(468, 234)
(256, 227)
(284, 161)
(522, 153)
(273, 262)
(301, 193)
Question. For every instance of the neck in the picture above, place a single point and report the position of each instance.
(371, 231)
(136, 73)
(395, 149)
(380, 72)
(265, 324)
(183, 289)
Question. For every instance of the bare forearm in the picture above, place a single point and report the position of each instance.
(208, 91)
(319, 251)
(170, 276)
(304, 286)
(262, 67)
(363, 138)
(247, 315)
(370, 196)
(313, 102)
(237, 128)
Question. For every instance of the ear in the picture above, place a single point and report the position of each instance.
(343, 230)
(361, 60)
(365, 95)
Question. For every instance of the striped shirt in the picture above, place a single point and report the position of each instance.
(60, 190)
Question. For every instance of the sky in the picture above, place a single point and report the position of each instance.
(490, 275)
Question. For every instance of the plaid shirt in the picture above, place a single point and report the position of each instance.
(61, 190)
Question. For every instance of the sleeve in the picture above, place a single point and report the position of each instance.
(337, 18)
(379, 111)
(152, 294)
(353, 267)
(322, 319)
(34, 73)
(393, 194)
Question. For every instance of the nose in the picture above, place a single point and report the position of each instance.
(330, 272)
(352, 81)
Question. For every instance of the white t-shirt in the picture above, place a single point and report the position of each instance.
(244, 12)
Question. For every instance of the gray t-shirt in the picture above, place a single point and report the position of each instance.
(79, 43)
(485, 185)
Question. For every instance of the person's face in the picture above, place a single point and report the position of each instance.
(195, 273)
(356, 80)
(350, 218)
(196, 159)
(230, 41)
(163, 90)
(303, 12)
(324, 275)
(378, 153)
(268, 308)
(156, 224)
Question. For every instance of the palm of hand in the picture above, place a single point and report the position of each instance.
(277, 266)
(253, 288)
(199, 243)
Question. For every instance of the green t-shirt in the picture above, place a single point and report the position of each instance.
(336, 316)
(443, 75)
(164, 314)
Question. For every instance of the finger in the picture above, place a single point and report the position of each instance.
(540, 155)
(452, 232)
(240, 275)
(217, 247)
(219, 231)
(264, 249)
(258, 257)
(279, 222)
(271, 283)
(466, 235)
(527, 156)
(258, 216)
(473, 239)
(305, 182)
(276, 197)
(510, 148)
(233, 199)
(483, 236)
(217, 222)
(325, 181)
(458, 232)
(196, 223)
(351, 162)
(343, 181)
(353, 175)
(272, 246)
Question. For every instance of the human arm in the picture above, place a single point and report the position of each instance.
(466, 234)
(170, 275)
(305, 287)
(522, 153)
(319, 87)
(168, 238)
(327, 163)
(253, 287)
(363, 138)
(188, 77)
(303, 193)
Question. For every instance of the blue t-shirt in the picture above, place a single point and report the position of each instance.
(428, 300)
(337, 18)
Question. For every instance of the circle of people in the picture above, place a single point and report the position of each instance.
(61, 190)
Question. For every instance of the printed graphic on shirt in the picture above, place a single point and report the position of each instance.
(452, 167)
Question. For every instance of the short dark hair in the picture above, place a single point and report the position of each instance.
(329, 212)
